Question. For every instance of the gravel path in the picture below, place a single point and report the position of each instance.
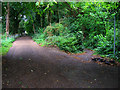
(27, 65)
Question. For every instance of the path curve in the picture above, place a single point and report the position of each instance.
(27, 65)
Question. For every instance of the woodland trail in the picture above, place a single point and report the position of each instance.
(27, 65)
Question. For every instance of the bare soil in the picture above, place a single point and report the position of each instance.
(27, 65)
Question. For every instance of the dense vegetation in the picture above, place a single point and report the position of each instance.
(6, 44)
(71, 26)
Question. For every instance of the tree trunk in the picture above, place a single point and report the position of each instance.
(58, 12)
(43, 17)
(34, 28)
(7, 20)
(43, 20)
(49, 18)
(114, 35)
(38, 18)
(16, 25)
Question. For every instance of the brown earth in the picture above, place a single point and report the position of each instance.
(27, 65)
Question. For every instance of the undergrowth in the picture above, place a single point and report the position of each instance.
(60, 36)
(5, 44)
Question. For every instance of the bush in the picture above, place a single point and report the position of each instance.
(6, 44)
(67, 43)
(3, 36)
(55, 29)
(105, 45)
(39, 38)
(58, 35)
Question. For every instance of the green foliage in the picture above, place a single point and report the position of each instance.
(6, 44)
(66, 43)
(40, 30)
(55, 29)
(28, 27)
(104, 44)
(60, 36)
(39, 38)
(3, 36)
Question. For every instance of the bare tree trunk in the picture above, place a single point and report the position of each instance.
(34, 28)
(43, 20)
(58, 12)
(7, 20)
(49, 18)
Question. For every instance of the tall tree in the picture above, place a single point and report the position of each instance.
(7, 20)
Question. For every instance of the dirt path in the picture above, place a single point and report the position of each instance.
(28, 65)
